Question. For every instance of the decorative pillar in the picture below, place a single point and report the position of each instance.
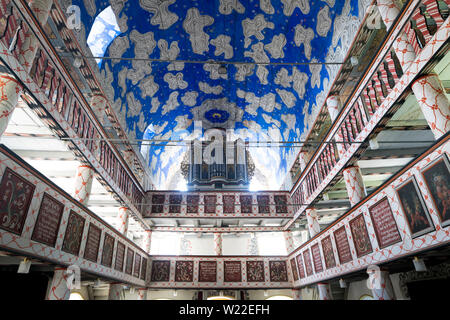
(58, 288)
(141, 294)
(123, 220)
(83, 183)
(303, 159)
(115, 291)
(334, 106)
(218, 244)
(253, 247)
(296, 294)
(324, 291)
(289, 239)
(147, 241)
(312, 218)
(402, 47)
(434, 103)
(381, 285)
(354, 184)
(10, 90)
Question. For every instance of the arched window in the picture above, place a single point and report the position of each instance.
(279, 298)
(76, 296)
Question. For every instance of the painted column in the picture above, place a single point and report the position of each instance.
(58, 287)
(303, 159)
(253, 247)
(147, 241)
(354, 184)
(83, 183)
(10, 90)
(98, 105)
(402, 47)
(141, 294)
(9, 87)
(296, 294)
(428, 89)
(312, 218)
(289, 239)
(334, 106)
(380, 283)
(218, 244)
(115, 291)
(434, 103)
(324, 291)
(123, 220)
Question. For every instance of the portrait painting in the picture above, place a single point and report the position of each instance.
(414, 208)
(437, 179)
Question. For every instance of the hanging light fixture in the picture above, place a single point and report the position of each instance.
(419, 265)
(223, 69)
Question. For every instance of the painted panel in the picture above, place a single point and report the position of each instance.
(184, 271)
(384, 224)
(92, 243)
(278, 271)
(301, 268)
(129, 263)
(48, 221)
(255, 271)
(120, 256)
(207, 271)
(137, 265)
(327, 249)
(232, 271)
(437, 180)
(15, 198)
(360, 236)
(308, 265)
(317, 258)
(414, 208)
(108, 249)
(294, 269)
(342, 245)
(160, 270)
(74, 232)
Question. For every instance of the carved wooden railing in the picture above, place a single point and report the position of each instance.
(218, 204)
(379, 89)
(39, 220)
(406, 215)
(210, 272)
(56, 94)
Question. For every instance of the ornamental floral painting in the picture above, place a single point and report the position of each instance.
(255, 271)
(360, 236)
(160, 270)
(184, 271)
(15, 198)
(278, 271)
(74, 233)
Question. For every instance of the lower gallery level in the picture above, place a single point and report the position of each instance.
(225, 150)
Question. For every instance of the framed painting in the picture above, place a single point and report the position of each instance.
(361, 238)
(49, 218)
(74, 233)
(255, 271)
(437, 180)
(15, 200)
(414, 209)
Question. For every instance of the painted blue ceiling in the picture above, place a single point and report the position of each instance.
(159, 100)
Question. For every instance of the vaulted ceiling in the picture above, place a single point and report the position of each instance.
(269, 91)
